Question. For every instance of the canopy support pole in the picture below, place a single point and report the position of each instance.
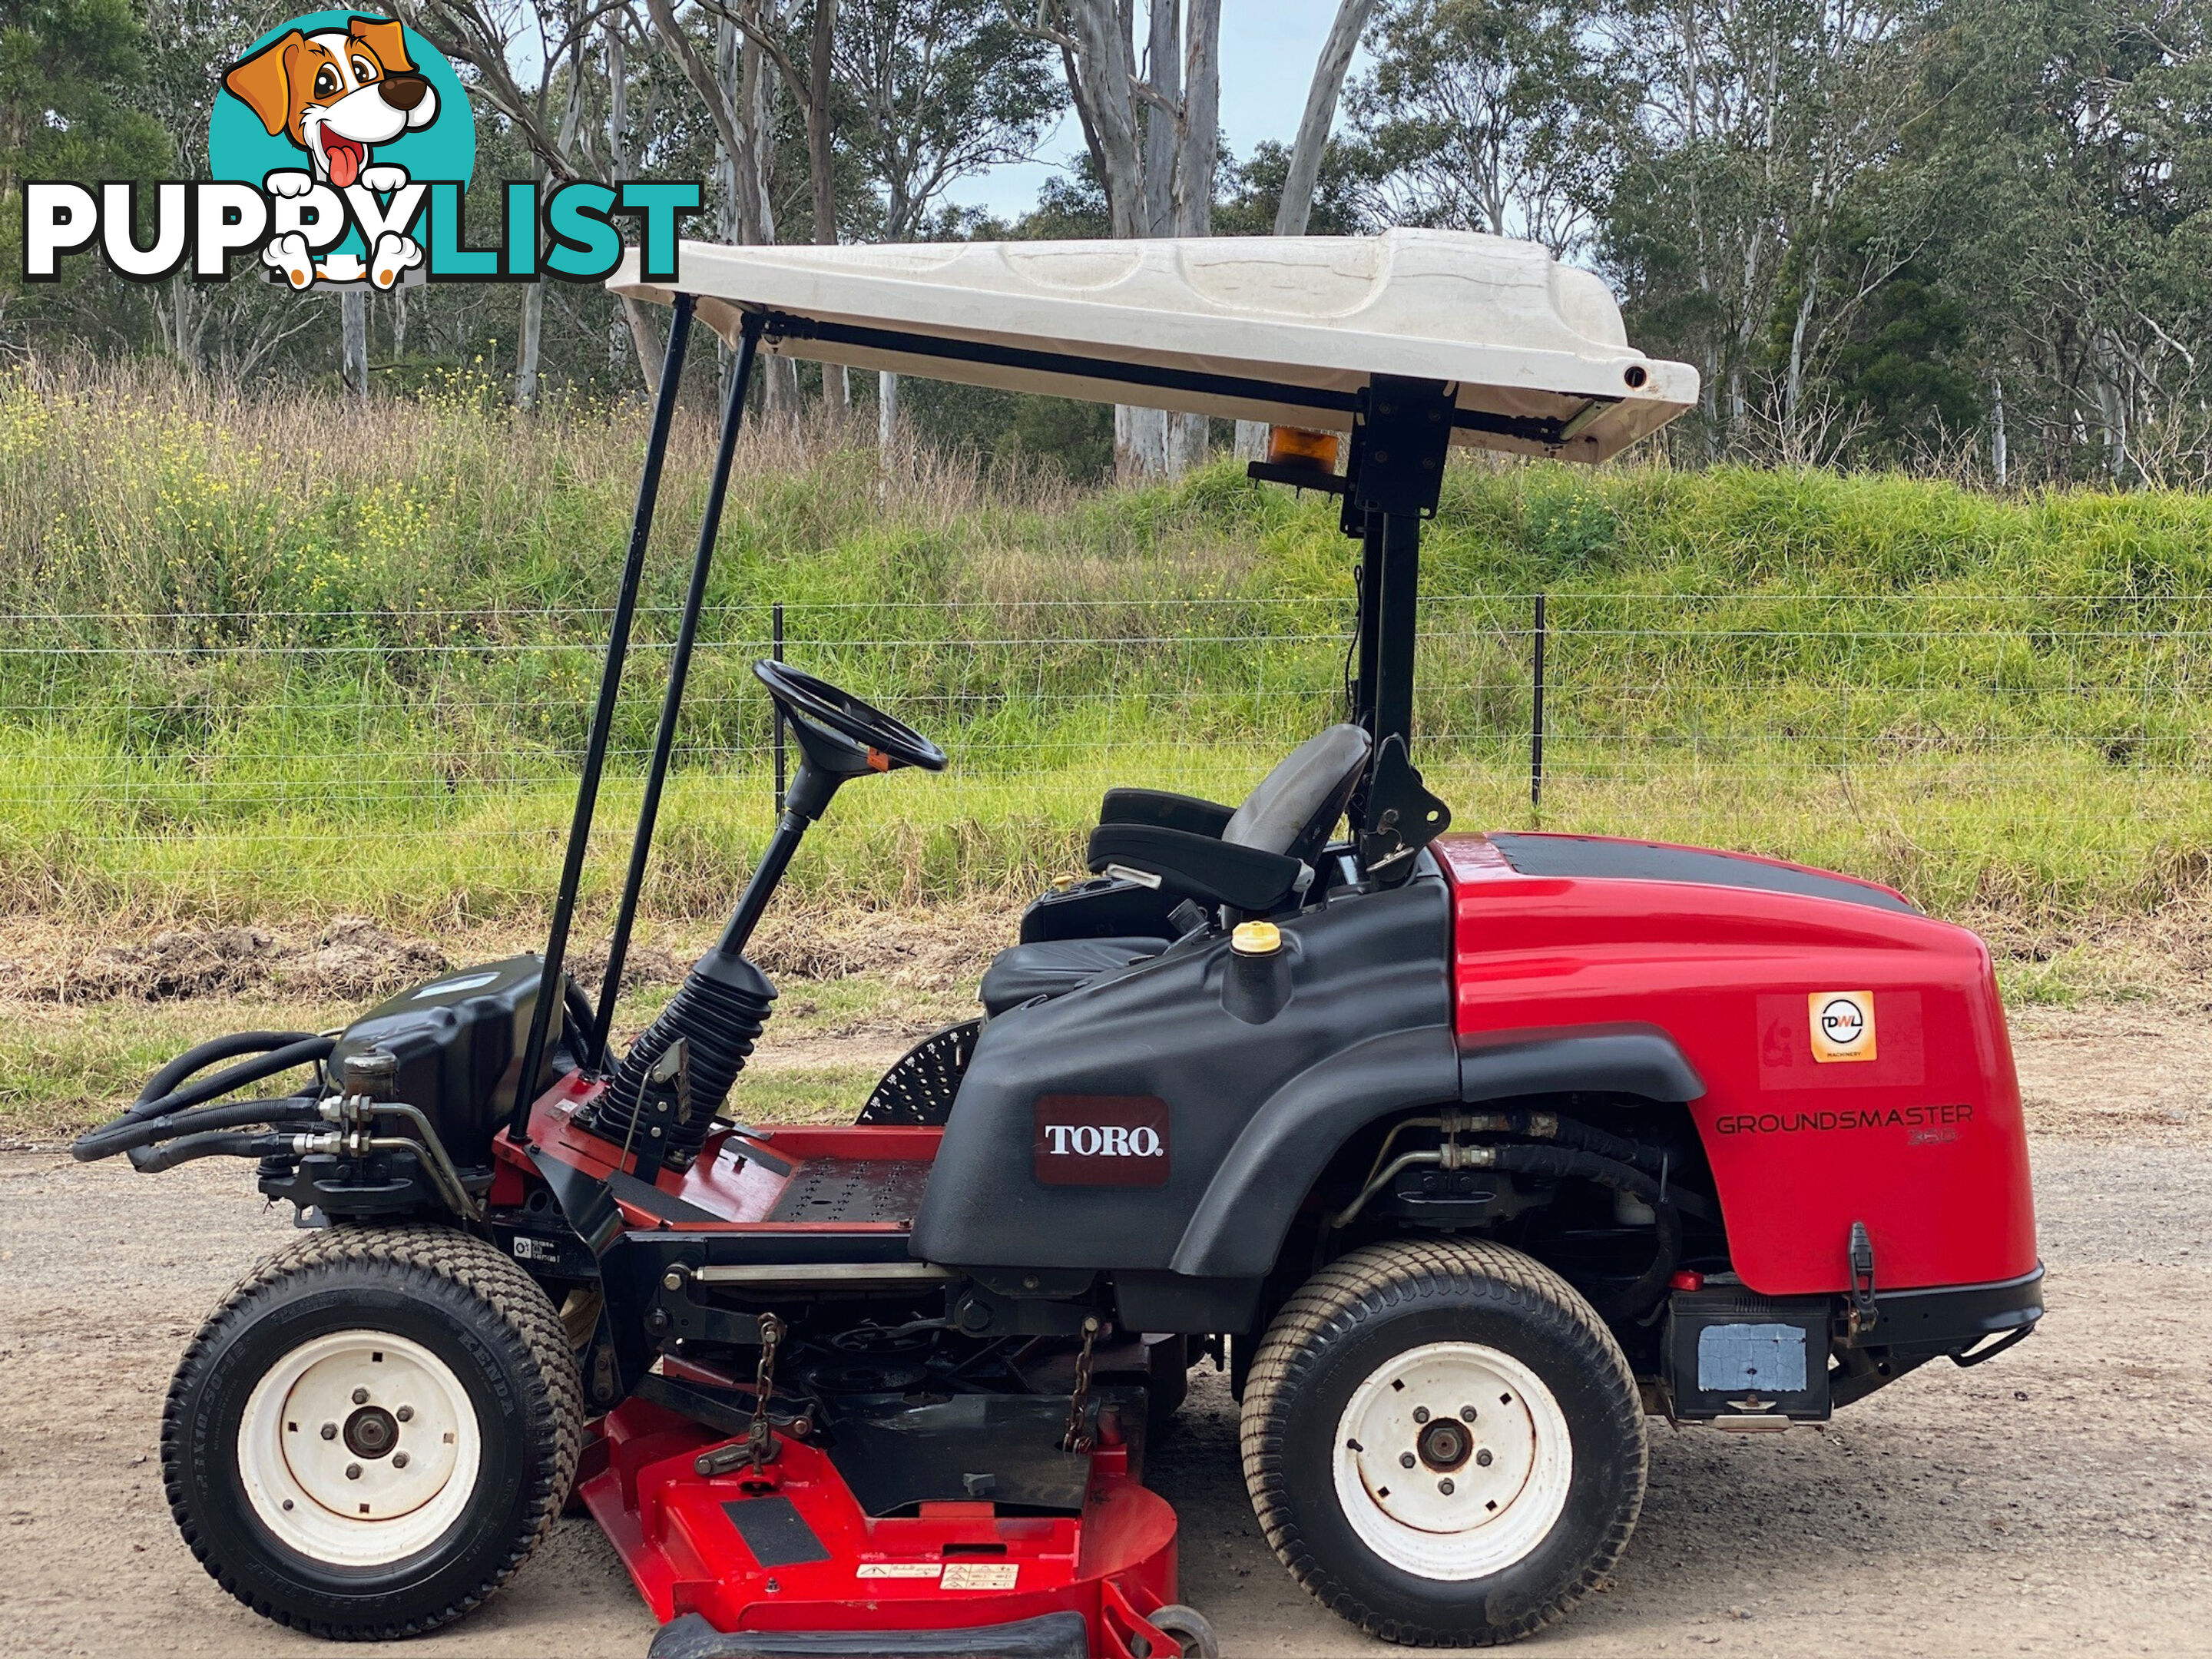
(679, 670)
(1367, 618)
(1401, 433)
(603, 719)
(1397, 542)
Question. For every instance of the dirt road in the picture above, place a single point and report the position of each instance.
(2058, 1501)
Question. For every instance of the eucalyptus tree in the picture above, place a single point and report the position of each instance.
(1502, 116)
(931, 93)
(1763, 147)
(2071, 143)
(1302, 164)
(1151, 126)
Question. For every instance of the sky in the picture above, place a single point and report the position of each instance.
(1268, 52)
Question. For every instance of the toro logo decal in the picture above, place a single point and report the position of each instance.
(1101, 1140)
(1842, 1025)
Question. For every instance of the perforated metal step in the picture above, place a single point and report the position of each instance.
(853, 1190)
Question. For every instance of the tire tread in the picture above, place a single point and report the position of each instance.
(465, 1260)
(1374, 1279)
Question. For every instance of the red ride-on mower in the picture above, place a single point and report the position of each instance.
(1469, 1153)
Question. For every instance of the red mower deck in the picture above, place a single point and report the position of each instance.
(788, 1547)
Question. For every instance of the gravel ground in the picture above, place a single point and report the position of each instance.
(2057, 1501)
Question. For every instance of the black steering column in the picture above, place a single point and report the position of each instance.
(840, 738)
(662, 1097)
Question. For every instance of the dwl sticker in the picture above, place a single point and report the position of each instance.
(1842, 1025)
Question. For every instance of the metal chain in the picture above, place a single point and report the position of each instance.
(758, 1440)
(1078, 1403)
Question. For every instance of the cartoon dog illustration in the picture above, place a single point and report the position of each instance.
(337, 95)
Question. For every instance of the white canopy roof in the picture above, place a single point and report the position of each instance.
(1280, 328)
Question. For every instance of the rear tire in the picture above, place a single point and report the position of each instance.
(1515, 1408)
(373, 1431)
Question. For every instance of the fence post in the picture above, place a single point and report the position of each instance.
(1537, 713)
(775, 650)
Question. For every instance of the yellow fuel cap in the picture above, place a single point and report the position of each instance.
(1256, 939)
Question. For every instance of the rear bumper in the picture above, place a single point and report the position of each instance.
(1951, 1318)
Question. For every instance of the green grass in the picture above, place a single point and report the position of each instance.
(277, 659)
(64, 1068)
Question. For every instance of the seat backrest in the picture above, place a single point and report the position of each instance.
(1298, 802)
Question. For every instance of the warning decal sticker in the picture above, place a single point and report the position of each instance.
(980, 1575)
(1842, 1025)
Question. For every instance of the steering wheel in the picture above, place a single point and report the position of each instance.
(805, 698)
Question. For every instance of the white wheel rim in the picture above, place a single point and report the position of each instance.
(309, 1457)
(1462, 1510)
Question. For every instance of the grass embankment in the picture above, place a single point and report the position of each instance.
(274, 661)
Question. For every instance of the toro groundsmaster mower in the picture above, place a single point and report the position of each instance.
(1468, 1154)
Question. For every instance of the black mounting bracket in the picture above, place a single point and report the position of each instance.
(1401, 431)
(1401, 816)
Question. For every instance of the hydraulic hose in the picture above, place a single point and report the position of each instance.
(581, 1015)
(127, 1134)
(201, 1055)
(219, 1144)
(303, 1051)
(1571, 1132)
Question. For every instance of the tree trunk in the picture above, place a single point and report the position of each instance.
(779, 399)
(526, 355)
(643, 341)
(1999, 460)
(728, 41)
(1164, 67)
(1135, 160)
(1295, 209)
(642, 345)
(1140, 444)
(1102, 90)
(1199, 140)
(1189, 437)
(353, 341)
(1322, 93)
(836, 389)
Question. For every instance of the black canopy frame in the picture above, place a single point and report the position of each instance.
(1402, 432)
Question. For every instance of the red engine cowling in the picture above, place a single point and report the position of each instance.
(1853, 1050)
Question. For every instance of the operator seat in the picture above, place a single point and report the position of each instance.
(1252, 857)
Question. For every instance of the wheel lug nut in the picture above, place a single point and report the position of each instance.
(353, 1470)
(1445, 1487)
(399, 1460)
(1404, 1460)
(406, 1413)
(330, 1431)
(1483, 1457)
(1421, 1413)
(1467, 1413)
(361, 1396)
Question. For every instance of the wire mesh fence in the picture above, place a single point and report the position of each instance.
(257, 735)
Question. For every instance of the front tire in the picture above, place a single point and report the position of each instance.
(1444, 1442)
(373, 1431)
